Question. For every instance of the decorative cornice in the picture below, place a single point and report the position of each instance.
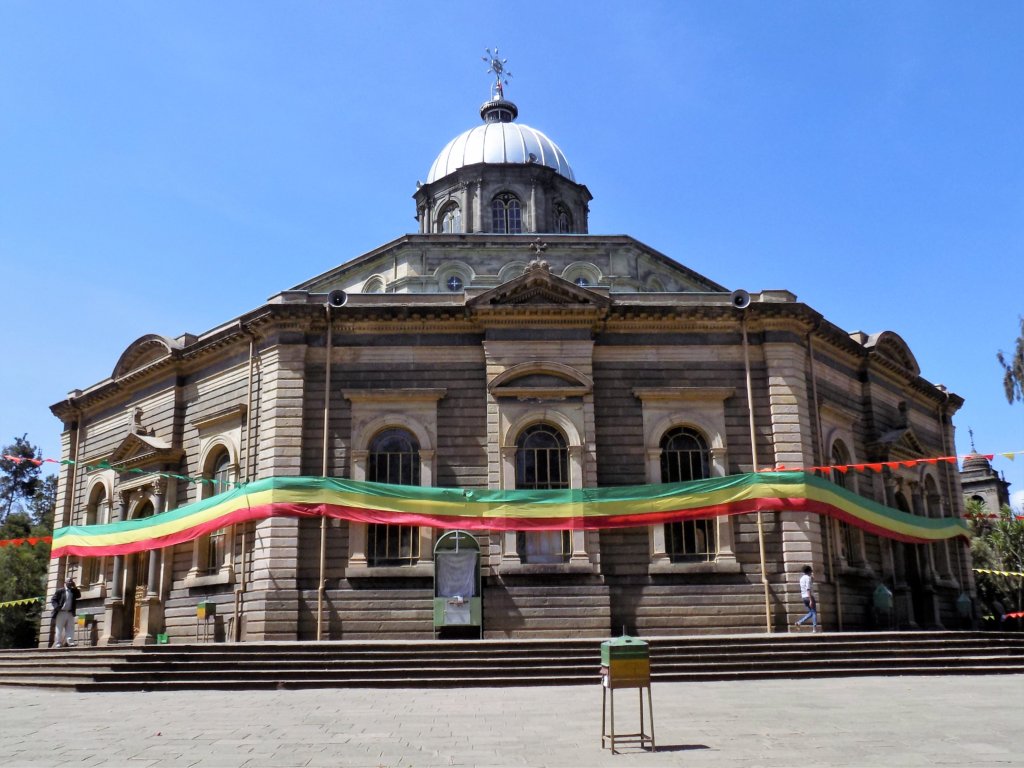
(231, 413)
(684, 394)
(398, 394)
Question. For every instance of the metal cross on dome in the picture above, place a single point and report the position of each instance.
(497, 66)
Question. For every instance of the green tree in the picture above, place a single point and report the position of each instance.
(19, 475)
(43, 504)
(27, 504)
(22, 577)
(997, 544)
(1013, 369)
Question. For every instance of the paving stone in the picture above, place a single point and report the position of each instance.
(870, 721)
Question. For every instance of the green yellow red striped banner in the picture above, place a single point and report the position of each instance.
(496, 510)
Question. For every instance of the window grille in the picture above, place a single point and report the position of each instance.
(684, 457)
(542, 462)
(394, 458)
(93, 515)
(214, 548)
(849, 537)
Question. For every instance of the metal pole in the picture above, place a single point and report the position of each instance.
(323, 519)
(753, 451)
(243, 476)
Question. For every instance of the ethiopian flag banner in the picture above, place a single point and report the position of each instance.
(490, 510)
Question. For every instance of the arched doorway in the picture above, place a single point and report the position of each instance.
(136, 576)
(910, 575)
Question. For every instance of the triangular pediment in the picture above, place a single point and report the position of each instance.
(892, 349)
(538, 287)
(898, 444)
(138, 450)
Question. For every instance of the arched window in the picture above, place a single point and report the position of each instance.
(684, 457)
(94, 513)
(373, 285)
(451, 219)
(563, 220)
(542, 462)
(850, 540)
(394, 457)
(506, 214)
(213, 548)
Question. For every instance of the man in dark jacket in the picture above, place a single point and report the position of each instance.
(64, 601)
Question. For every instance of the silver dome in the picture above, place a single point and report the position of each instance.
(499, 143)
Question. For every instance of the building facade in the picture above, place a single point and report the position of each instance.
(504, 346)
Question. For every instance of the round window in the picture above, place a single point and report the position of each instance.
(454, 283)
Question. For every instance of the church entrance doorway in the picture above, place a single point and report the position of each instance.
(136, 578)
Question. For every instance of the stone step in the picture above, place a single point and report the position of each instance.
(430, 663)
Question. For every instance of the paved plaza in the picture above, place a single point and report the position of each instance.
(872, 721)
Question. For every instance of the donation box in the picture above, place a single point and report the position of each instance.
(625, 663)
(457, 593)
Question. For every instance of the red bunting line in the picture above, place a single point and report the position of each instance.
(875, 466)
(878, 466)
(1014, 615)
(36, 462)
(30, 540)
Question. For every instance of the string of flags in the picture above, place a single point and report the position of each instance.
(23, 601)
(30, 540)
(878, 466)
(874, 466)
(997, 573)
(107, 465)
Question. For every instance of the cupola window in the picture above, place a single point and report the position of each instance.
(506, 215)
(563, 221)
(451, 219)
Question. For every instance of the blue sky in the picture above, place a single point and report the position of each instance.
(166, 167)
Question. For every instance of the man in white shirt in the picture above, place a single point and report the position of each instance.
(807, 595)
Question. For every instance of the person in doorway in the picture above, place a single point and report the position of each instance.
(64, 601)
(807, 595)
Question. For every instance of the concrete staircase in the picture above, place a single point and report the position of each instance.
(377, 664)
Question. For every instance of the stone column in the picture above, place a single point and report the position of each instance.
(273, 597)
(480, 209)
(151, 614)
(113, 608)
(792, 436)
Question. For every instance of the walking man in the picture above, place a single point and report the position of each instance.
(807, 595)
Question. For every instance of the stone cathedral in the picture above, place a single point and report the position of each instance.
(504, 346)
